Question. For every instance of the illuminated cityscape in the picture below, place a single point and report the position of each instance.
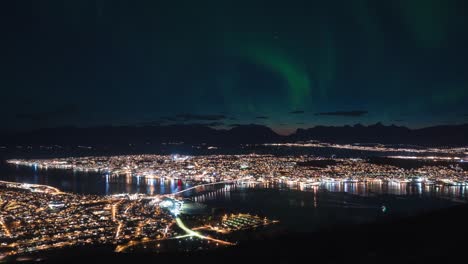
(303, 170)
(38, 217)
(258, 131)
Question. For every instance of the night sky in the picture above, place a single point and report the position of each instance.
(285, 64)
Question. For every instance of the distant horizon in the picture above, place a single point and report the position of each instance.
(141, 129)
(285, 65)
(282, 131)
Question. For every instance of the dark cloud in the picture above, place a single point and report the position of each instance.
(169, 118)
(316, 45)
(398, 120)
(262, 117)
(150, 123)
(194, 117)
(297, 112)
(214, 124)
(235, 125)
(343, 113)
(158, 123)
(63, 111)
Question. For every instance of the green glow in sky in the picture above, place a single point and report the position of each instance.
(427, 20)
(293, 73)
(402, 61)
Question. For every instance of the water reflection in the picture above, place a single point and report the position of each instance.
(215, 193)
(360, 189)
(93, 183)
(327, 205)
(298, 207)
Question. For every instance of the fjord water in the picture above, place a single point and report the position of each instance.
(323, 206)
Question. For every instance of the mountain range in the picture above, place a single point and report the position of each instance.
(445, 135)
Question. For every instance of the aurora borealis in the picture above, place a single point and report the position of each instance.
(133, 62)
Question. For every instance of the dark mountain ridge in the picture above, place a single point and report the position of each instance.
(445, 135)
(450, 135)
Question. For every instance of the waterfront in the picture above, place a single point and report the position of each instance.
(182, 203)
(322, 206)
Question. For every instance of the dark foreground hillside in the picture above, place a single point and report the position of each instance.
(439, 236)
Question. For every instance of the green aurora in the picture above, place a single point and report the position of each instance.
(403, 61)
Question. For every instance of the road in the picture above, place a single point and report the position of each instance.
(201, 185)
(190, 232)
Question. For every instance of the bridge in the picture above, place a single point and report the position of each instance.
(200, 185)
(139, 196)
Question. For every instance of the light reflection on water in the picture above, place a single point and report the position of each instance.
(297, 208)
(368, 189)
(93, 183)
(329, 205)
